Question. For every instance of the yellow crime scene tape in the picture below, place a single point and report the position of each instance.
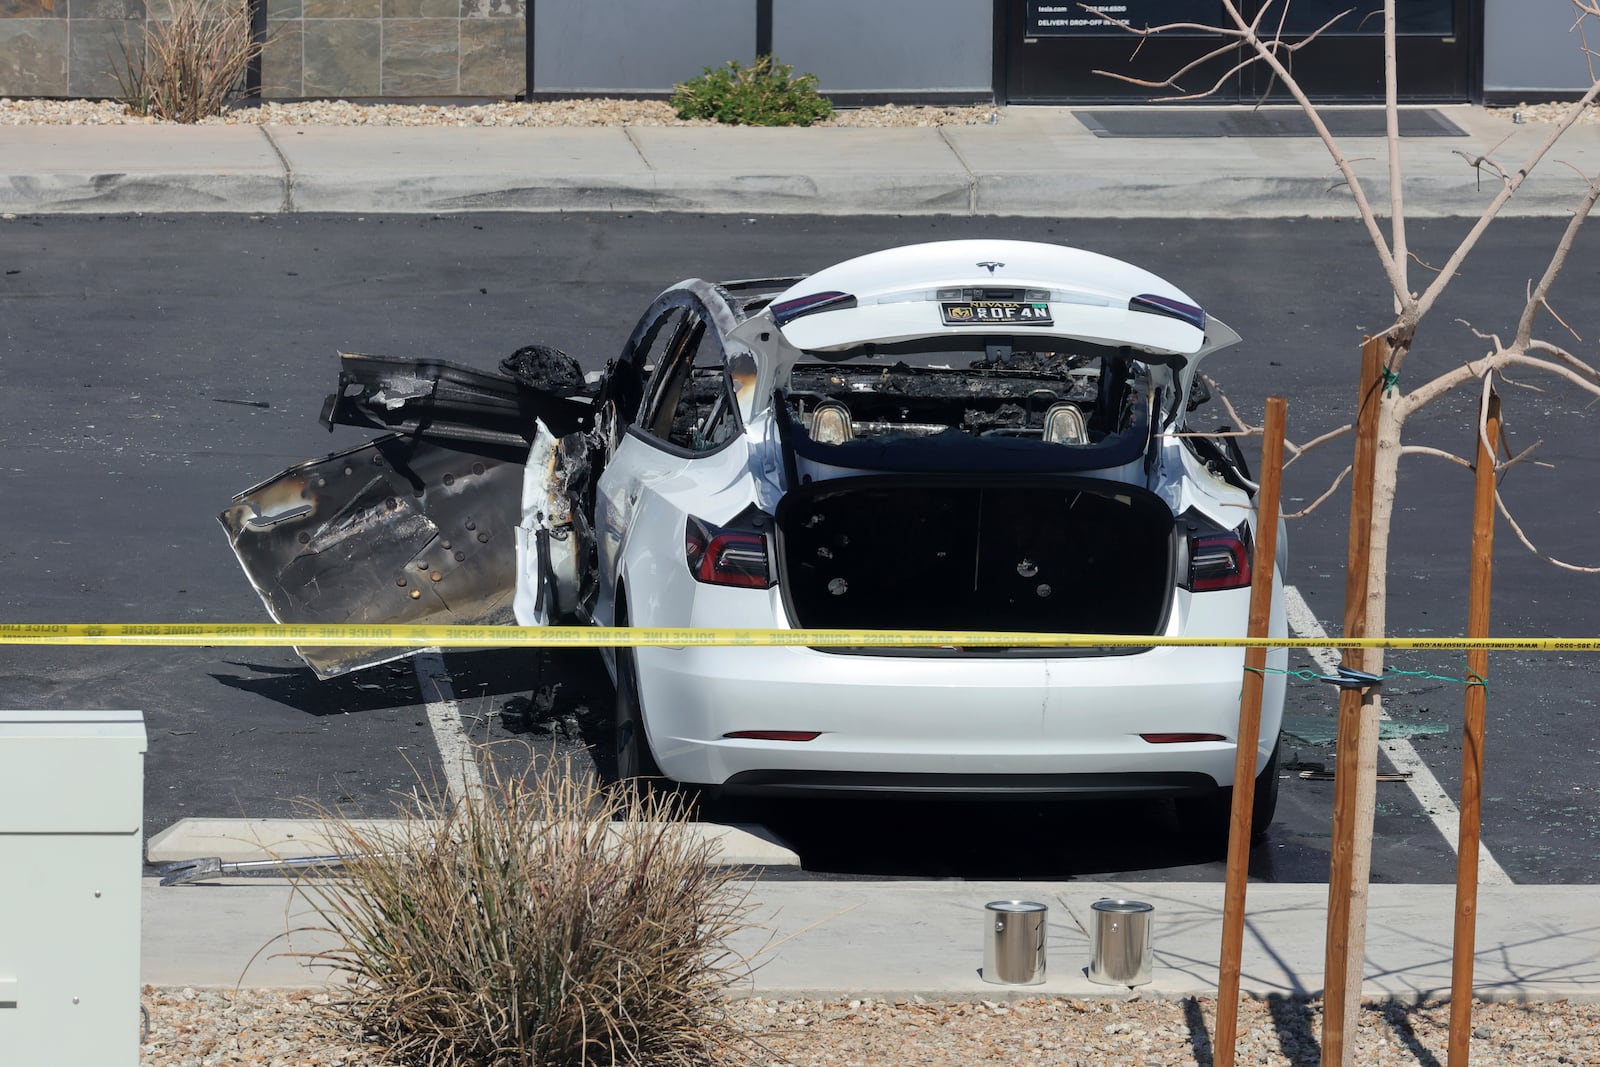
(275, 635)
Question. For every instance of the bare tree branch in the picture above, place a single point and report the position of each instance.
(1557, 261)
(1470, 241)
(1516, 383)
(1486, 395)
(1583, 41)
(1248, 430)
(1482, 162)
(1492, 338)
(1211, 383)
(1397, 206)
(1562, 355)
(1437, 453)
(1315, 504)
(1554, 315)
(1505, 513)
(1300, 450)
(1213, 433)
(1520, 456)
(1276, 40)
(1266, 51)
(1419, 261)
(1448, 382)
(1216, 86)
(1562, 364)
(1548, 367)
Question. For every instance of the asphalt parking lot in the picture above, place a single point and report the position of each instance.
(155, 366)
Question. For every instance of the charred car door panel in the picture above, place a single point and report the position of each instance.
(420, 526)
(400, 530)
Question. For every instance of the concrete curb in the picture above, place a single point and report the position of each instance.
(257, 840)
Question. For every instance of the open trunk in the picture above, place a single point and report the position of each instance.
(1051, 553)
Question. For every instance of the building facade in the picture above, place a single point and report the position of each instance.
(914, 51)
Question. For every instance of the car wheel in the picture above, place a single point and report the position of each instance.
(1207, 818)
(634, 760)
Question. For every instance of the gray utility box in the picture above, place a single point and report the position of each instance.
(71, 855)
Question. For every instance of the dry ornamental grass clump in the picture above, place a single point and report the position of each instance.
(191, 64)
(541, 923)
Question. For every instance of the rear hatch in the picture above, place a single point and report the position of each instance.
(1049, 553)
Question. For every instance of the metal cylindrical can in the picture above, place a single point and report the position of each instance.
(1013, 942)
(1119, 942)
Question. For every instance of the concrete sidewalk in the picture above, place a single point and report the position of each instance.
(1036, 161)
(836, 939)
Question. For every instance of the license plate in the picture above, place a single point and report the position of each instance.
(995, 312)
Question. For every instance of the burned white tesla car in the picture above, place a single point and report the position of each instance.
(968, 435)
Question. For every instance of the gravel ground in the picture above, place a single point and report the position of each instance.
(1548, 112)
(593, 112)
(596, 112)
(190, 1028)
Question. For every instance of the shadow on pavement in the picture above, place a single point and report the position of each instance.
(1062, 840)
(392, 685)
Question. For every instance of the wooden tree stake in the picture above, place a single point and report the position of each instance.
(1465, 945)
(1347, 873)
(1249, 736)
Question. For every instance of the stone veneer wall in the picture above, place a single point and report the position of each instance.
(316, 48)
(393, 48)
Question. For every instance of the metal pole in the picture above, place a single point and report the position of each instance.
(530, 20)
(258, 38)
(1338, 1006)
(1249, 737)
(763, 28)
(1466, 932)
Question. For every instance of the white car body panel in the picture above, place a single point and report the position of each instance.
(923, 715)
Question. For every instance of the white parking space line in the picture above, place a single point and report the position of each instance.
(461, 775)
(1400, 752)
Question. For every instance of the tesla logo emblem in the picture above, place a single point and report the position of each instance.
(991, 264)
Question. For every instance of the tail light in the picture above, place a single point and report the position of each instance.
(737, 554)
(1172, 309)
(787, 311)
(1219, 560)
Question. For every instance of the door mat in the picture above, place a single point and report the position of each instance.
(1263, 122)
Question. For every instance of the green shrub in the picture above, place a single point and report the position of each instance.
(541, 923)
(766, 93)
(191, 64)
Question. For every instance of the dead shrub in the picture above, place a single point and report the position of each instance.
(541, 923)
(193, 63)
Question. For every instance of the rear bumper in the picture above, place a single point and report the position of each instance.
(949, 725)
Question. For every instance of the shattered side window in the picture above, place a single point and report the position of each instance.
(691, 404)
(648, 364)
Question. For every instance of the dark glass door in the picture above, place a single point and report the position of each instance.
(1345, 62)
(1054, 51)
